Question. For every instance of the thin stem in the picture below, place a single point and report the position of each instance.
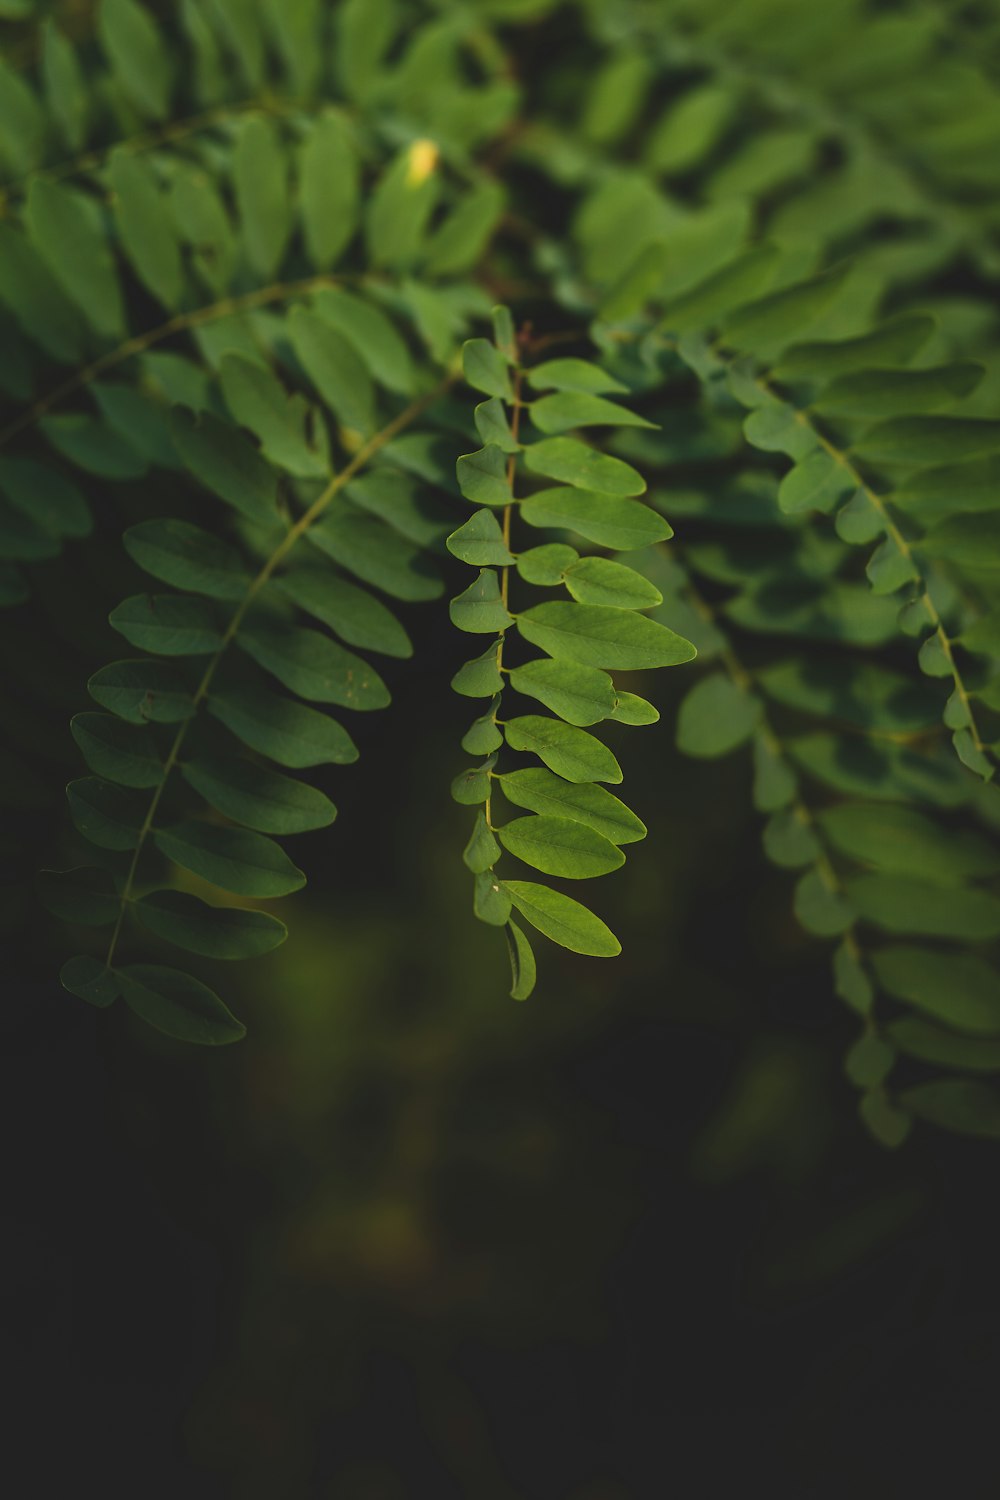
(288, 541)
(277, 291)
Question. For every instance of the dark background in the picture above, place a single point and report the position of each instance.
(410, 1237)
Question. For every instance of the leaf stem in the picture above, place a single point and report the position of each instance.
(288, 541)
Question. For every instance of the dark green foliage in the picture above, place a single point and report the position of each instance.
(249, 254)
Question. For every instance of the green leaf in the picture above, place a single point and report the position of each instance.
(480, 542)
(852, 690)
(46, 497)
(483, 736)
(329, 188)
(36, 299)
(479, 678)
(888, 1125)
(168, 624)
(623, 525)
(482, 851)
(91, 980)
(569, 409)
(222, 459)
(599, 636)
(960, 1104)
(203, 223)
(313, 666)
(248, 864)
(928, 440)
(259, 799)
(889, 393)
(107, 815)
(187, 557)
(905, 903)
(631, 709)
(482, 476)
(463, 236)
(480, 609)
(290, 432)
(777, 428)
(546, 565)
(542, 792)
(139, 56)
(364, 546)
(970, 541)
(859, 521)
(400, 205)
(335, 368)
(228, 932)
(562, 919)
(851, 982)
(869, 1062)
(571, 752)
(493, 426)
(818, 482)
(689, 129)
(932, 1044)
(580, 695)
(473, 786)
(490, 901)
(766, 326)
(775, 783)
(485, 369)
(573, 462)
(598, 580)
(142, 691)
(895, 343)
(820, 909)
(21, 120)
(522, 962)
(147, 227)
(178, 1005)
(960, 989)
(90, 445)
(789, 841)
(372, 335)
(574, 375)
(560, 846)
(260, 178)
(117, 751)
(351, 612)
(85, 895)
(286, 731)
(890, 568)
(64, 228)
(704, 305)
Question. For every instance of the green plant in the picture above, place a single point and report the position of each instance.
(244, 247)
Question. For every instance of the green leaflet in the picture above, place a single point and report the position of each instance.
(853, 690)
(313, 666)
(457, 244)
(493, 426)
(778, 428)
(901, 840)
(372, 335)
(45, 497)
(147, 227)
(573, 375)
(365, 547)
(351, 612)
(688, 130)
(473, 786)
(90, 980)
(605, 519)
(117, 751)
(546, 565)
(168, 624)
(490, 901)
(928, 440)
(818, 482)
(228, 932)
(562, 919)
(895, 343)
(288, 732)
(400, 206)
(522, 962)
(109, 816)
(904, 904)
(959, 1104)
(260, 799)
(930, 1043)
(226, 463)
(580, 695)
(716, 717)
(543, 792)
(248, 864)
(560, 846)
(482, 851)
(479, 678)
(178, 1005)
(820, 908)
(335, 368)
(958, 988)
(85, 895)
(290, 431)
(187, 557)
(480, 542)
(971, 541)
(596, 636)
(889, 393)
(329, 188)
(203, 223)
(485, 369)
(482, 476)
(565, 749)
(631, 709)
(403, 502)
(76, 252)
(704, 304)
(138, 56)
(573, 462)
(598, 580)
(566, 410)
(765, 326)
(142, 691)
(480, 608)
(260, 179)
